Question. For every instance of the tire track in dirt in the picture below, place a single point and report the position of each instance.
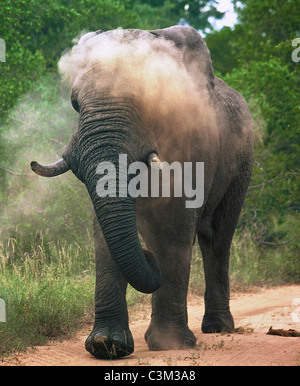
(253, 312)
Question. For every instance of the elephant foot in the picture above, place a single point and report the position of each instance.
(109, 343)
(169, 339)
(217, 322)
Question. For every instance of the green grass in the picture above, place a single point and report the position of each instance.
(47, 290)
(265, 263)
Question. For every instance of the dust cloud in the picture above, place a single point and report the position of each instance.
(149, 68)
(39, 128)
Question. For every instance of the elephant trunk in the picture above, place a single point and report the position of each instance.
(117, 219)
(118, 224)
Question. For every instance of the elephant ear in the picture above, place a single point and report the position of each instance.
(74, 98)
(195, 54)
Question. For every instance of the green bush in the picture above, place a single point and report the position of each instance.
(274, 88)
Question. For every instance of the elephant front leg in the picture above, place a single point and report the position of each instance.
(110, 337)
(169, 321)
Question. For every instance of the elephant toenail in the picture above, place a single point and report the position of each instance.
(98, 338)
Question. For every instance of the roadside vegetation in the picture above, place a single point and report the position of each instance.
(46, 244)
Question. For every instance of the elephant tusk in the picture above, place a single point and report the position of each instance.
(50, 170)
(153, 158)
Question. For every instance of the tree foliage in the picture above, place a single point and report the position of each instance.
(37, 31)
(164, 13)
(268, 26)
(254, 57)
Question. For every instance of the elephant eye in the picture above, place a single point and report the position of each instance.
(154, 33)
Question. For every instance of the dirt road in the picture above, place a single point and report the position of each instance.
(254, 313)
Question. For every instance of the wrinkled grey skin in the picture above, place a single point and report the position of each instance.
(112, 126)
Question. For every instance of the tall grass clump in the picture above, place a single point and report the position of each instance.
(47, 290)
(264, 263)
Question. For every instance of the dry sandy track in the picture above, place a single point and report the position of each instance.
(253, 312)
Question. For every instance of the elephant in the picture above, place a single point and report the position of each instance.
(158, 102)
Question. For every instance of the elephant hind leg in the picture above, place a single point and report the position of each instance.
(215, 236)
